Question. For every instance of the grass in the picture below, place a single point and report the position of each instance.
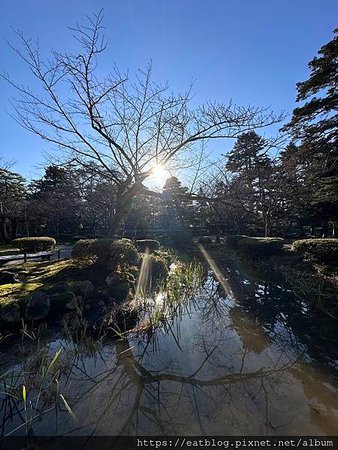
(306, 279)
(183, 282)
(37, 275)
(184, 279)
(34, 387)
(315, 288)
(16, 291)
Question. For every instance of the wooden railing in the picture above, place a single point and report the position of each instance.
(25, 256)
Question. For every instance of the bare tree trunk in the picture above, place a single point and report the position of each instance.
(4, 230)
(122, 208)
(14, 228)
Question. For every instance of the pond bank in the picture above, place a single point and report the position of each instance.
(312, 282)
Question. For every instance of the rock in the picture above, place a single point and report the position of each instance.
(58, 288)
(11, 313)
(119, 290)
(7, 277)
(60, 300)
(86, 289)
(38, 306)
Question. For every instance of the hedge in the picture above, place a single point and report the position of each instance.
(232, 239)
(34, 244)
(106, 252)
(150, 244)
(256, 246)
(321, 250)
(74, 239)
(205, 240)
(82, 249)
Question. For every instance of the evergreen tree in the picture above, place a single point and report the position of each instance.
(54, 202)
(12, 203)
(315, 126)
(251, 187)
(177, 209)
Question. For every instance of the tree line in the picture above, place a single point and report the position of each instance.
(114, 131)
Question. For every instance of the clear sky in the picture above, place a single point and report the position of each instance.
(253, 51)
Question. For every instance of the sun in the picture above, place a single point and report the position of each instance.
(159, 174)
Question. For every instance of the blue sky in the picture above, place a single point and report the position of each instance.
(253, 51)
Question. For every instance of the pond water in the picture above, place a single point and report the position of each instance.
(244, 356)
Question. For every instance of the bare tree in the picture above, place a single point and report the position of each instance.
(125, 126)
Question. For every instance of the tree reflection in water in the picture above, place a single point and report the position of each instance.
(234, 362)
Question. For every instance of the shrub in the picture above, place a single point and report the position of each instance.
(204, 240)
(34, 244)
(82, 249)
(232, 240)
(111, 252)
(180, 239)
(74, 239)
(159, 266)
(106, 252)
(256, 246)
(320, 250)
(150, 244)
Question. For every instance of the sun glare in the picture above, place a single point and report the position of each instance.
(159, 174)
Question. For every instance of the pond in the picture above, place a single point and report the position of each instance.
(244, 356)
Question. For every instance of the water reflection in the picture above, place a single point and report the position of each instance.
(242, 361)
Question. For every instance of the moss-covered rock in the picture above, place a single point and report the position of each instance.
(10, 313)
(17, 290)
(60, 300)
(38, 306)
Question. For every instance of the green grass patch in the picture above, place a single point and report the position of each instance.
(16, 292)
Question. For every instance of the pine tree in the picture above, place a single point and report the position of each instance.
(315, 126)
(12, 203)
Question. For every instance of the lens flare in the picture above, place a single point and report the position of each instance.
(143, 286)
(214, 267)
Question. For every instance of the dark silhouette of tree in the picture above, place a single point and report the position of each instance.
(12, 203)
(54, 202)
(252, 181)
(126, 126)
(315, 126)
(177, 208)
